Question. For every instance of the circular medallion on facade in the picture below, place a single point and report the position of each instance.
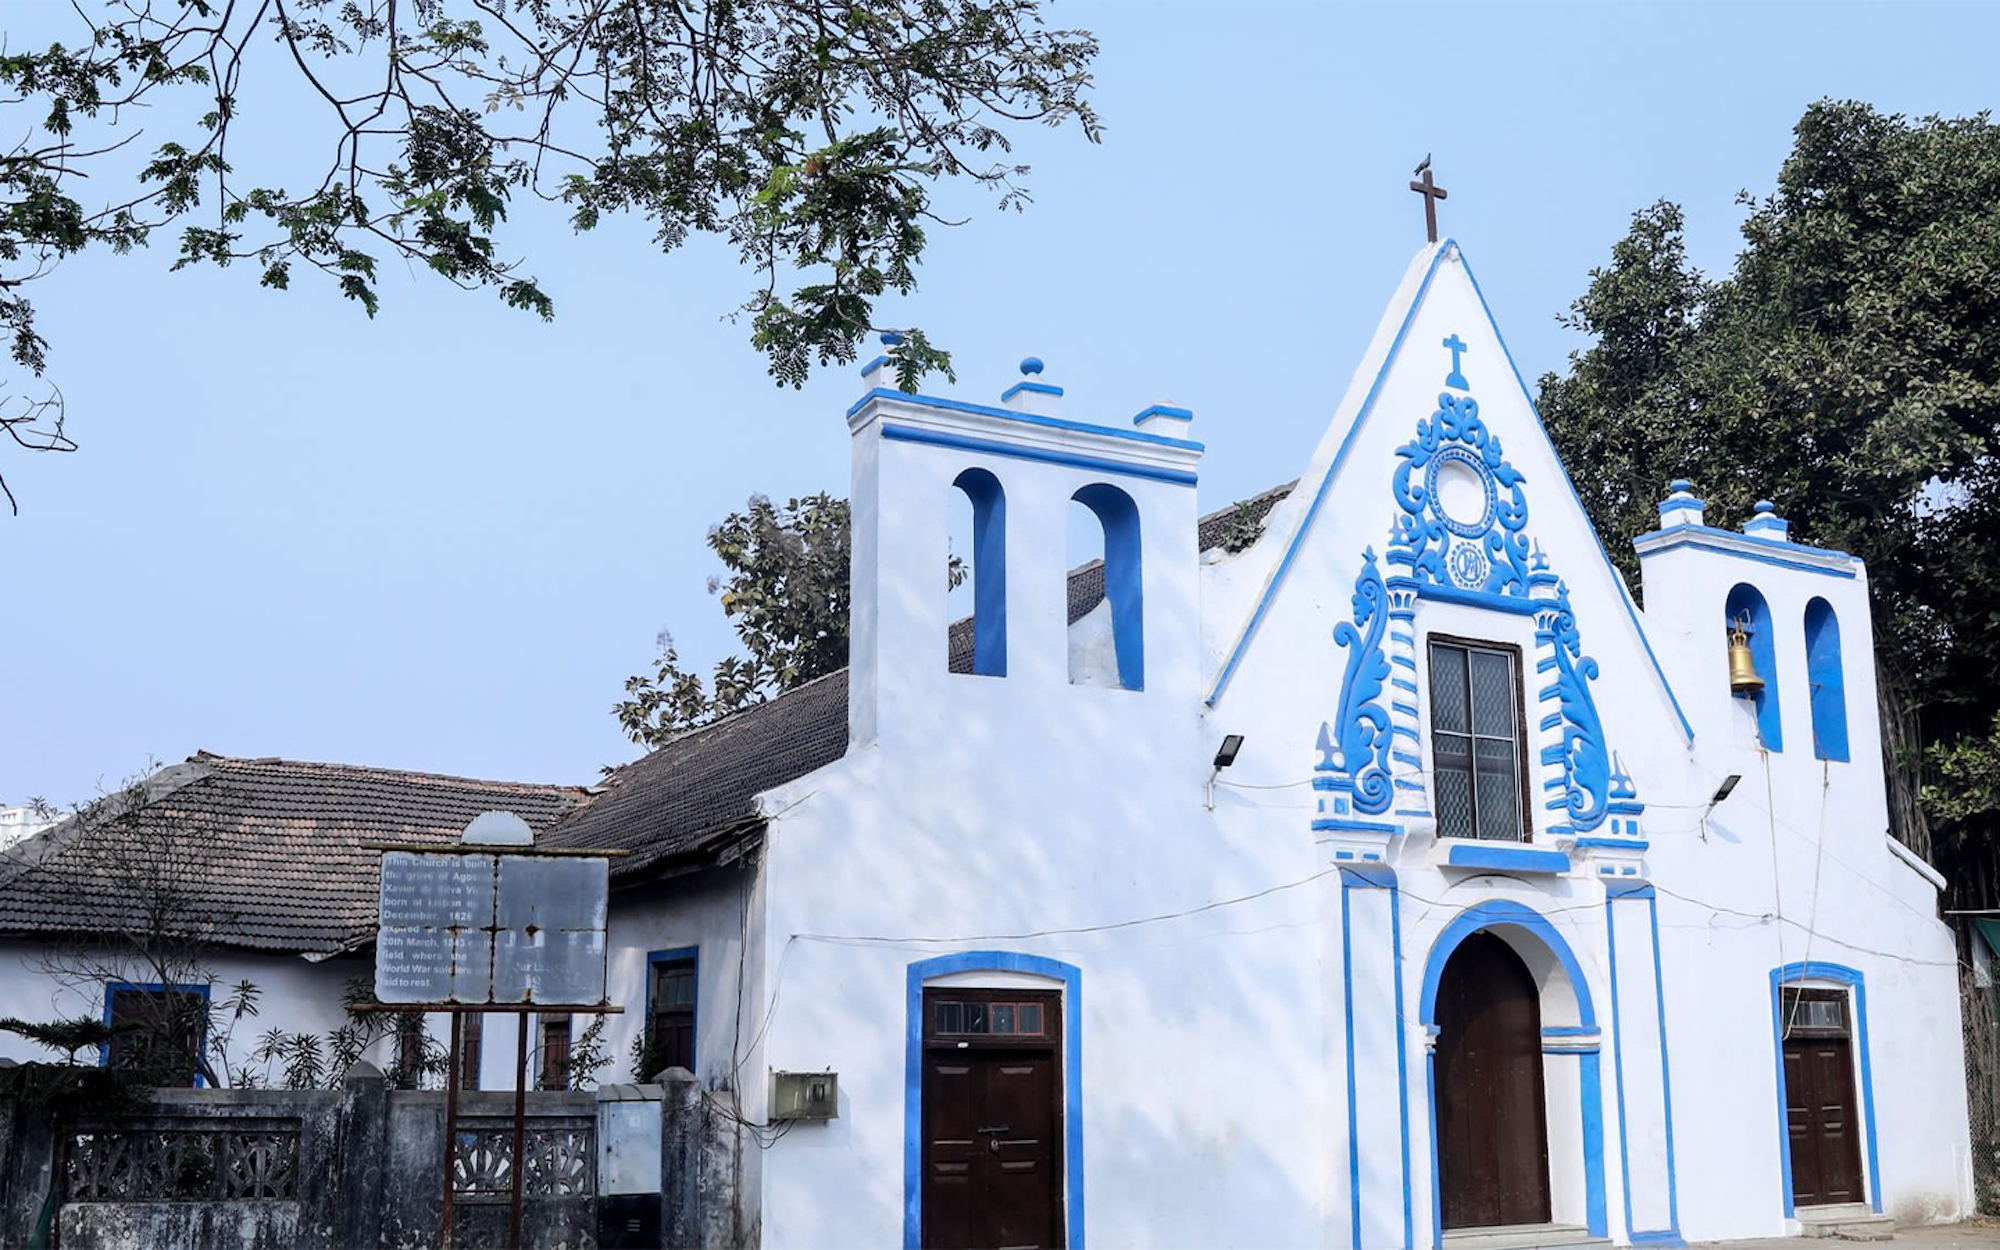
(1468, 566)
(1461, 491)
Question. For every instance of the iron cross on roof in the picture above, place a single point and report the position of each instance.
(1432, 193)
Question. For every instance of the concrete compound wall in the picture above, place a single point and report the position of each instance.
(366, 1170)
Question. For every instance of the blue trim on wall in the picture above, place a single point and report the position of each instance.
(158, 987)
(1163, 410)
(1034, 388)
(1707, 536)
(1124, 577)
(1353, 1113)
(913, 1077)
(1376, 879)
(1508, 859)
(1826, 688)
(1817, 970)
(1026, 418)
(1590, 1082)
(1506, 912)
(1666, 1077)
(1746, 600)
(985, 446)
(989, 570)
(1670, 1235)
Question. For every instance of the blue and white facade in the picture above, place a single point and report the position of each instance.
(1250, 961)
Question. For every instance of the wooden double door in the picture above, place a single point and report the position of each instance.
(1820, 1107)
(992, 1120)
(1492, 1125)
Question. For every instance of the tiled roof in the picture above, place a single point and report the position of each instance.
(258, 853)
(692, 798)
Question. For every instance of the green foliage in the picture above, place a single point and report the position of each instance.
(786, 593)
(588, 1055)
(67, 1036)
(649, 1054)
(811, 134)
(1968, 772)
(1847, 369)
(1241, 530)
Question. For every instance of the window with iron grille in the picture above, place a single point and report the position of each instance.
(1480, 788)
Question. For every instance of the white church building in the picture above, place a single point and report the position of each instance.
(1387, 873)
(1396, 877)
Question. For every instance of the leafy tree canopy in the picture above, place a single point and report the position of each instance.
(1848, 369)
(786, 593)
(811, 134)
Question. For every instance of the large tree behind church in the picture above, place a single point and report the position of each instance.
(1848, 368)
(812, 135)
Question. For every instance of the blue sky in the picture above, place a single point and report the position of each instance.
(442, 539)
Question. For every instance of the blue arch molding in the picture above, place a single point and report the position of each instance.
(1827, 687)
(1671, 1234)
(989, 570)
(1322, 492)
(1124, 577)
(1816, 970)
(913, 1078)
(1501, 913)
(1746, 600)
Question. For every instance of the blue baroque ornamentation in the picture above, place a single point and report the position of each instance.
(1477, 541)
(1360, 725)
(1583, 754)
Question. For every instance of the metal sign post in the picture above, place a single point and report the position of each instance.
(491, 925)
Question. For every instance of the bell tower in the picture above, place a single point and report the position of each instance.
(917, 678)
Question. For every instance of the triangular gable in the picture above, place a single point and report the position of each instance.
(1413, 552)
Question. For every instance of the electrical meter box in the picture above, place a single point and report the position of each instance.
(804, 1095)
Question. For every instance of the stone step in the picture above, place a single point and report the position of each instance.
(1846, 1222)
(1522, 1237)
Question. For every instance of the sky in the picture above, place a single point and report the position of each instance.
(442, 539)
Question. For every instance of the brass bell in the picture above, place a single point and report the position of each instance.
(1743, 679)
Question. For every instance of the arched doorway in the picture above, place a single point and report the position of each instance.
(1492, 1130)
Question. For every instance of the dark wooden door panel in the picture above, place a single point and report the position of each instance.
(1821, 1126)
(1492, 1127)
(992, 1124)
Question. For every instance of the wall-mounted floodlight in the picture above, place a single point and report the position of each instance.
(1225, 755)
(1722, 792)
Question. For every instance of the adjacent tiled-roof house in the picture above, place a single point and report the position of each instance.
(273, 863)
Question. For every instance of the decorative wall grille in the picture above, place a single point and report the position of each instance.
(184, 1164)
(561, 1160)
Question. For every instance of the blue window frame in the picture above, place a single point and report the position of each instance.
(150, 1007)
(673, 985)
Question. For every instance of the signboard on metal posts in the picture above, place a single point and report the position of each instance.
(489, 926)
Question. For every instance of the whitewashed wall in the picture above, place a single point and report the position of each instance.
(295, 996)
(1028, 815)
